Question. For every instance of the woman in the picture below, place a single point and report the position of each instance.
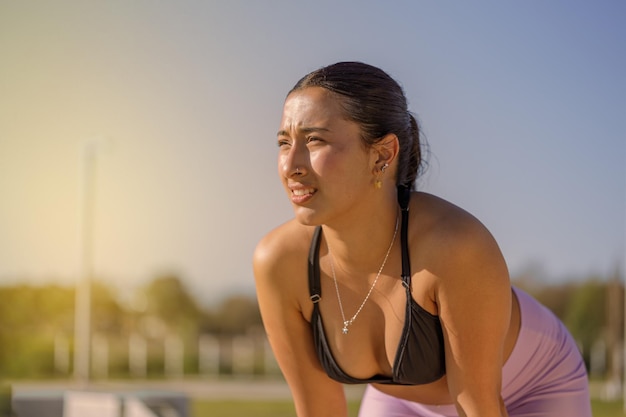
(402, 290)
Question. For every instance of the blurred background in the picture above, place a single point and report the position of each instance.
(138, 155)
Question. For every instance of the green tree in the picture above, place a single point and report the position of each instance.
(169, 300)
(235, 315)
(585, 317)
(30, 317)
(108, 316)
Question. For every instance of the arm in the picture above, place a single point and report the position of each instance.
(474, 299)
(281, 290)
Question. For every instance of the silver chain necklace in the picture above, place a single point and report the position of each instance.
(347, 323)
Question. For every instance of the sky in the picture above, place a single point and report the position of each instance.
(522, 103)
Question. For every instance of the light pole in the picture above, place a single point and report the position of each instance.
(82, 312)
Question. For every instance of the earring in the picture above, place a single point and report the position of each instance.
(378, 184)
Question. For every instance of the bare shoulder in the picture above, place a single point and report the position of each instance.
(282, 244)
(450, 238)
(280, 257)
(443, 219)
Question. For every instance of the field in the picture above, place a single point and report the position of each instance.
(202, 408)
(205, 408)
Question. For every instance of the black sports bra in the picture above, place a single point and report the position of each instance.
(420, 356)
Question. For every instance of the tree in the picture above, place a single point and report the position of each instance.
(108, 316)
(170, 301)
(585, 317)
(235, 315)
(30, 317)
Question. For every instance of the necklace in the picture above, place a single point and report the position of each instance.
(347, 323)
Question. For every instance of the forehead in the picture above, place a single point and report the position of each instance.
(312, 106)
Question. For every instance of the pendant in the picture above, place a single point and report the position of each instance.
(345, 327)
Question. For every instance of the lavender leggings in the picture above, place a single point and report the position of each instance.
(544, 376)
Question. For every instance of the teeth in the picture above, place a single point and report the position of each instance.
(303, 191)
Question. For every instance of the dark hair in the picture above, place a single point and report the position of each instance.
(374, 100)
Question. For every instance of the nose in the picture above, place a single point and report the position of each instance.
(293, 163)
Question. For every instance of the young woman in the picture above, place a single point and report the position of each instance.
(373, 282)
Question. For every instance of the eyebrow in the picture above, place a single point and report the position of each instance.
(304, 130)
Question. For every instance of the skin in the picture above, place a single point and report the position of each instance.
(458, 272)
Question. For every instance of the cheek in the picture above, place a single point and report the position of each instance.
(327, 165)
(318, 162)
(344, 173)
(282, 162)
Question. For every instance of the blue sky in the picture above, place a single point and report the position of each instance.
(522, 105)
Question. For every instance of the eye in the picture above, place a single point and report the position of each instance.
(282, 143)
(310, 139)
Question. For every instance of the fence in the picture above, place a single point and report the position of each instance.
(171, 356)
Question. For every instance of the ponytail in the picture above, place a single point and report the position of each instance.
(414, 160)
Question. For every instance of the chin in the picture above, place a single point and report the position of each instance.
(307, 217)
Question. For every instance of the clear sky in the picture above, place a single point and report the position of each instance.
(523, 105)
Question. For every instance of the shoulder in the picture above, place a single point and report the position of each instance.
(441, 219)
(283, 243)
(282, 252)
(451, 239)
(281, 275)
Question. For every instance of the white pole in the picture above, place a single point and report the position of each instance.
(82, 313)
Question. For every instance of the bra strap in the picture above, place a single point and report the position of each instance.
(404, 196)
(315, 290)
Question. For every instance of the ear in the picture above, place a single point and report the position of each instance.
(385, 151)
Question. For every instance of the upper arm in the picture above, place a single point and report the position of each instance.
(474, 299)
(280, 288)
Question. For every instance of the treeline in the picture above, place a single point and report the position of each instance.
(37, 326)
(36, 320)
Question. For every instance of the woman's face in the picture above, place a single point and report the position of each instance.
(322, 162)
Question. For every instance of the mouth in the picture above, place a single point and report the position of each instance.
(301, 194)
(302, 191)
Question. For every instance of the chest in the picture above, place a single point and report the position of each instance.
(365, 333)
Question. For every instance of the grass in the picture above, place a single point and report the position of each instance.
(607, 408)
(210, 408)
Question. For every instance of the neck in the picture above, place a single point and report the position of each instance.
(359, 243)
